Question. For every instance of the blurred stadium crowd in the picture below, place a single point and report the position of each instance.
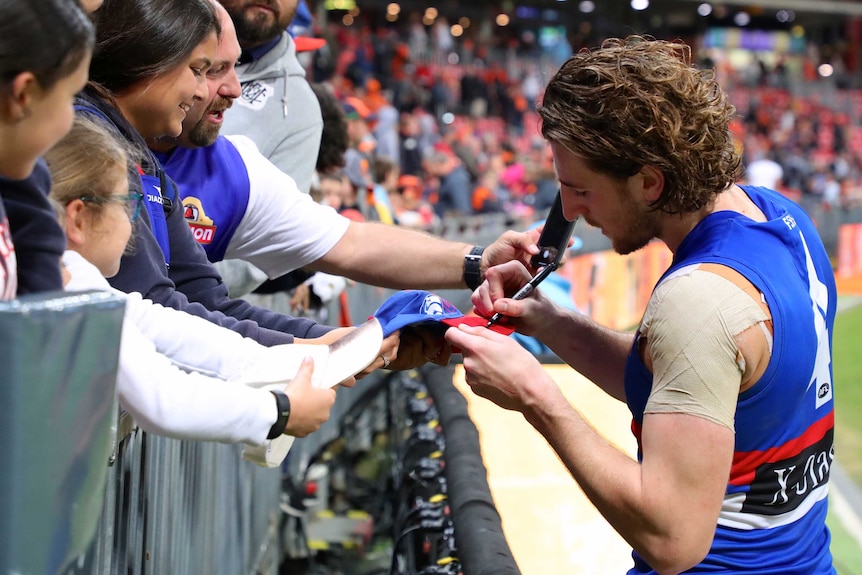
(445, 125)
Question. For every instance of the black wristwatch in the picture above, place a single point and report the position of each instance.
(473, 267)
(283, 403)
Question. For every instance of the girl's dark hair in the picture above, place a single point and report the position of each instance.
(49, 38)
(141, 39)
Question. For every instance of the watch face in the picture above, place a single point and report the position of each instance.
(283, 405)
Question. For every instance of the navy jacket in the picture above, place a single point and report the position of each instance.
(38, 238)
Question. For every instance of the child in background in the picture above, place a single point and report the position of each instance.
(89, 168)
(410, 208)
(350, 206)
(384, 173)
(330, 190)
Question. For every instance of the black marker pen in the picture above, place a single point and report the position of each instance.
(527, 289)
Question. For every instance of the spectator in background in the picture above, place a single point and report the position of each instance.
(513, 174)
(466, 148)
(796, 170)
(45, 48)
(831, 191)
(330, 190)
(277, 108)
(334, 140)
(484, 199)
(385, 132)
(360, 152)
(352, 207)
(454, 191)
(764, 171)
(358, 157)
(409, 205)
(539, 171)
(384, 173)
(411, 147)
(474, 92)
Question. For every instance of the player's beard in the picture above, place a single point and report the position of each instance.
(205, 133)
(635, 227)
(259, 28)
(639, 228)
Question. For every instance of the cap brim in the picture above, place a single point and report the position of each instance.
(308, 44)
(475, 320)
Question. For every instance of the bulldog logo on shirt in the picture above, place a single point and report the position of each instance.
(203, 228)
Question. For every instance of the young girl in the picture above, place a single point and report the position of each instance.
(45, 51)
(98, 211)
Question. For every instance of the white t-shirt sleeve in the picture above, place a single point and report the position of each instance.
(282, 229)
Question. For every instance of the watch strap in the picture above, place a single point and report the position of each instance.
(283, 404)
(473, 267)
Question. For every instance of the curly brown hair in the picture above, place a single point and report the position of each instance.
(638, 101)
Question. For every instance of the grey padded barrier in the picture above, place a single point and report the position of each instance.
(58, 368)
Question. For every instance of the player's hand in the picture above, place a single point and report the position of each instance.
(309, 406)
(496, 366)
(493, 296)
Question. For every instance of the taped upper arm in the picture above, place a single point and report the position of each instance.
(691, 328)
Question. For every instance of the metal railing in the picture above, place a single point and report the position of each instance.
(185, 507)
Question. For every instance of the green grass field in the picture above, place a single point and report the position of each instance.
(846, 554)
(847, 366)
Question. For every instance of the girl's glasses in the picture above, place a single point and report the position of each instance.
(133, 201)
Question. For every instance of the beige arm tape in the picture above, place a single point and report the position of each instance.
(690, 324)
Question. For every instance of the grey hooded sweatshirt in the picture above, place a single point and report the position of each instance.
(279, 112)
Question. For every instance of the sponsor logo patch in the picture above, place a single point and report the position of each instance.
(203, 228)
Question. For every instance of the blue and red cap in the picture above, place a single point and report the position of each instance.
(418, 307)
